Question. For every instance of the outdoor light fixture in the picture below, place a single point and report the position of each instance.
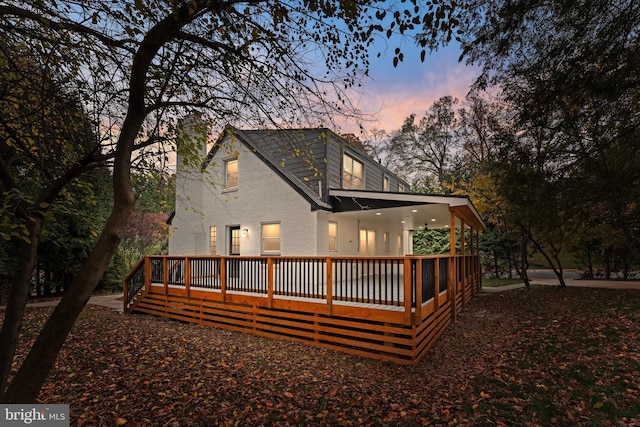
(244, 231)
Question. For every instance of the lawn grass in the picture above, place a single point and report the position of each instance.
(550, 357)
(495, 283)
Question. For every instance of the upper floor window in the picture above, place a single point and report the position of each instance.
(385, 183)
(401, 188)
(231, 173)
(271, 238)
(352, 173)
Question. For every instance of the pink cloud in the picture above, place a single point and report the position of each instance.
(392, 94)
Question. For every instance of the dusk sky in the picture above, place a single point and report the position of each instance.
(395, 93)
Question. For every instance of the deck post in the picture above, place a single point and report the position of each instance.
(407, 290)
(223, 278)
(477, 258)
(270, 282)
(329, 281)
(453, 267)
(463, 250)
(147, 274)
(165, 275)
(187, 277)
(436, 285)
(418, 285)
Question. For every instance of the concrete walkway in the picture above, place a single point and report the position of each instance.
(115, 301)
(606, 284)
(111, 301)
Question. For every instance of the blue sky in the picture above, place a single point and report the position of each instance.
(392, 94)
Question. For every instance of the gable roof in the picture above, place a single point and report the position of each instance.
(274, 148)
(278, 148)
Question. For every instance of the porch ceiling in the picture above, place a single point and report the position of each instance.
(412, 211)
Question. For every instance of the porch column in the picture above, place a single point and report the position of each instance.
(453, 286)
(407, 242)
(463, 260)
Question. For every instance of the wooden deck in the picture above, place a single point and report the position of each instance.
(388, 308)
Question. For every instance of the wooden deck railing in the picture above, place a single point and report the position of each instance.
(390, 308)
(380, 281)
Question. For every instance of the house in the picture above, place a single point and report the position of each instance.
(299, 235)
(300, 192)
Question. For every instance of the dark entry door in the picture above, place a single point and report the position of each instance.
(234, 240)
(233, 265)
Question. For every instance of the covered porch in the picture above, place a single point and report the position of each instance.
(383, 307)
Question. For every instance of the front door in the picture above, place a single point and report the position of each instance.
(234, 240)
(367, 242)
(233, 265)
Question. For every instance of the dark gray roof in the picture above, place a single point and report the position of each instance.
(288, 152)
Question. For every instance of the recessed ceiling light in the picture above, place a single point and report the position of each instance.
(433, 220)
(414, 210)
(378, 213)
(402, 222)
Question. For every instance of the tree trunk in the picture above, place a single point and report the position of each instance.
(34, 371)
(521, 262)
(555, 266)
(589, 264)
(17, 301)
(26, 385)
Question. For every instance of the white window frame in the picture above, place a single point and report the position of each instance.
(348, 172)
(385, 183)
(228, 182)
(401, 188)
(270, 239)
(213, 240)
(332, 239)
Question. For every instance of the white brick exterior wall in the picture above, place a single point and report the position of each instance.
(261, 197)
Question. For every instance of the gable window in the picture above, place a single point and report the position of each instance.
(385, 183)
(333, 236)
(352, 173)
(271, 238)
(213, 240)
(401, 188)
(231, 173)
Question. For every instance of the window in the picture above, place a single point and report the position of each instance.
(352, 172)
(231, 173)
(387, 242)
(333, 236)
(367, 242)
(213, 240)
(234, 240)
(401, 188)
(271, 238)
(385, 183)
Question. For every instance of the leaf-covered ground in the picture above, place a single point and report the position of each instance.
(547, 357)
